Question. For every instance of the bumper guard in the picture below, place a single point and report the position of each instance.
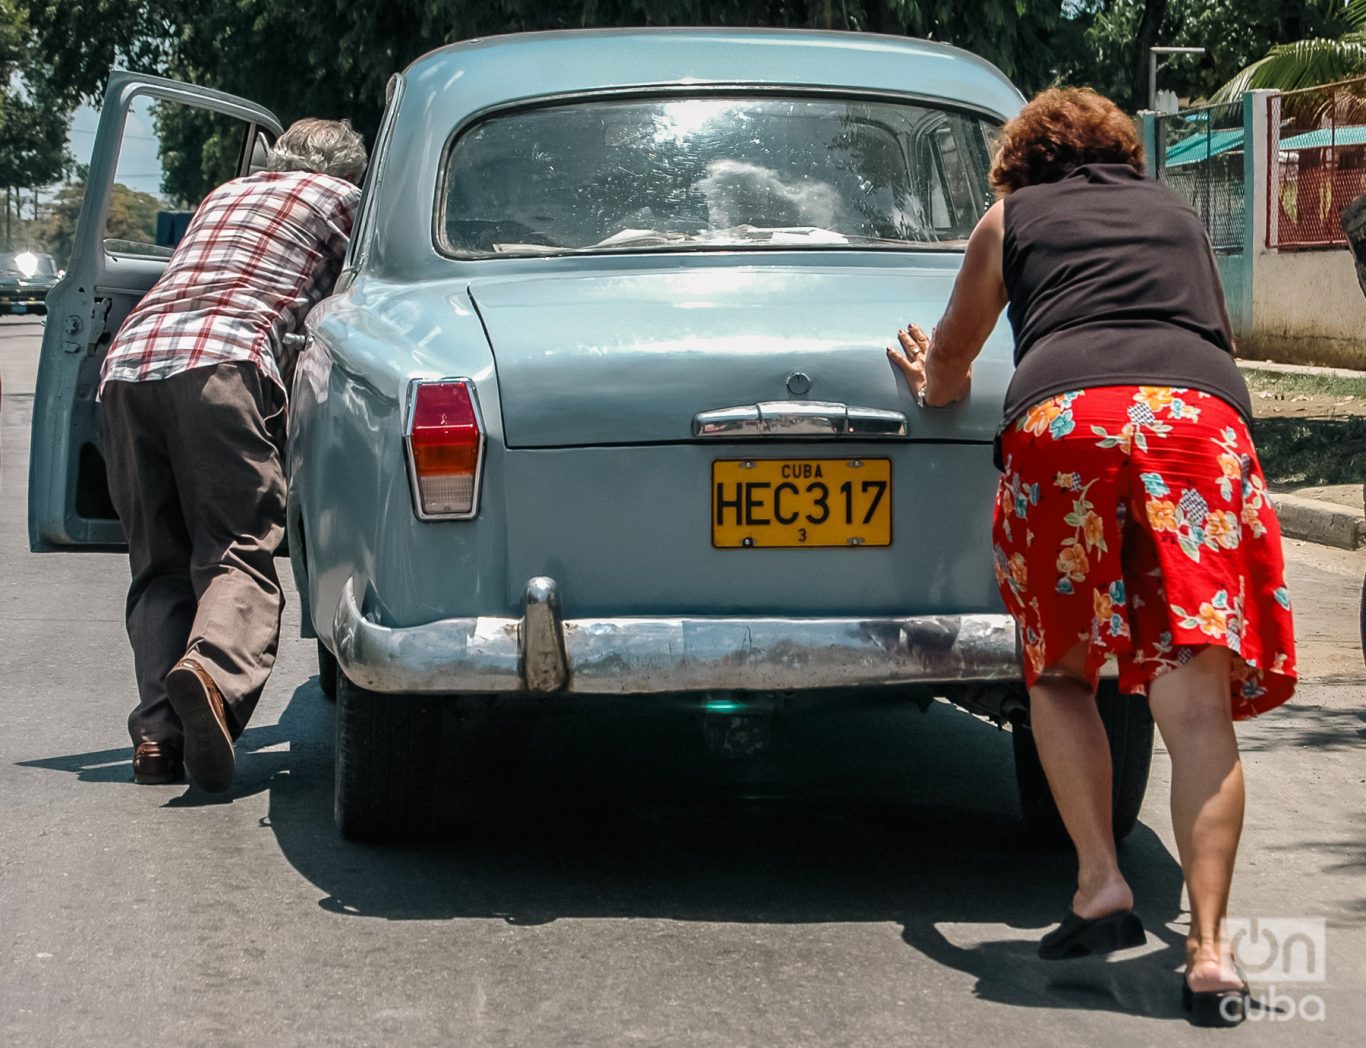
(543, 654)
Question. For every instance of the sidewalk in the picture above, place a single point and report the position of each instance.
(1298, 369)
(1330, 516)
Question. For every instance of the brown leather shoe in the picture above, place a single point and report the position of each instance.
(156, 764)
(208, 742)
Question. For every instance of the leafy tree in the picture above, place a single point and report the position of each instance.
(1234, 33)
(80, 40)
(1116, 36)
(199, 150)
(32, 122)
(132, 216)
(329, 58)
(59, 226)
(1312, 59)
(1117, 53)
(1237, 32)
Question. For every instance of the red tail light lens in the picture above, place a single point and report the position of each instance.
(445, 448)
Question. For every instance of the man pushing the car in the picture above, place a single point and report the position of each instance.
(194, 390)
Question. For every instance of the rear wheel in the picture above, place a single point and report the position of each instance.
(328, 672)
(387, 749)
(1129, 728)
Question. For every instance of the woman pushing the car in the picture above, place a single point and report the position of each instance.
(1132, 518)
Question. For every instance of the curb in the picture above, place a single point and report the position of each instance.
(1297, 369)
(1326, 523)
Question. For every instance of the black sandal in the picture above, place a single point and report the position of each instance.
(1215, 1007)
(1083, 936)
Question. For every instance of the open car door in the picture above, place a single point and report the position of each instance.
(132, 216)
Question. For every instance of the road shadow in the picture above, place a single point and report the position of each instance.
(881, 815)
(1334, 729)
(873, 814)
(263, 754)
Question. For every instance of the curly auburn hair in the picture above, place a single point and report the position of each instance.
(1057, 132)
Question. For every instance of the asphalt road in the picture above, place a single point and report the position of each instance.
(864, 885)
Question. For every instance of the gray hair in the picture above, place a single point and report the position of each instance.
(327, 147)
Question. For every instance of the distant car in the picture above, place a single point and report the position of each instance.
(25, 279)
(599, 405)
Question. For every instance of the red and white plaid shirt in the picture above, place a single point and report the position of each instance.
(260, 252)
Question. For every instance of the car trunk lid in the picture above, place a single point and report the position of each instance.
(616, 358)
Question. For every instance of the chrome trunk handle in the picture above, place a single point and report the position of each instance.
(800, 418)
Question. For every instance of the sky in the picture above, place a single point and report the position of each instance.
(139, 168)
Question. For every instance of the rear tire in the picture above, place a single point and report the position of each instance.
(328, 671)
(1129, 729)
(387, 749)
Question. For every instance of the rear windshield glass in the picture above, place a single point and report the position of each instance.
(706, 173)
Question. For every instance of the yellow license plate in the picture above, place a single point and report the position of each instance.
(786, 503)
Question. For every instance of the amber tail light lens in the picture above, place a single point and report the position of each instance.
(445, 442)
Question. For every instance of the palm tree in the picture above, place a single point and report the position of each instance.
(1306, 63)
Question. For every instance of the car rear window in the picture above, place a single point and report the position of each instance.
(740, 172)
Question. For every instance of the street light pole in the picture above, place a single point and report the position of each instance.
(1153, 67)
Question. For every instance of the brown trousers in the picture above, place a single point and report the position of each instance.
(196, 472)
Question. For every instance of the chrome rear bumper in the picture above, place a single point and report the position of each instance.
(542, 653)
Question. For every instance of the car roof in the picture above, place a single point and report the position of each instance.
(479, 74)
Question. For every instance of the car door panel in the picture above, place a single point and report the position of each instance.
(69, 505)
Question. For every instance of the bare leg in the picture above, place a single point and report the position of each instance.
(1191, 708)
(1075, 754)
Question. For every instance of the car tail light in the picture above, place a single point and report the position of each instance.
(445, 440)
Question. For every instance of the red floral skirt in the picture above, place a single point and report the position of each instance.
(1136, 518)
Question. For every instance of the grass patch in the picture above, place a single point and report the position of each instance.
(1289, 383)
(1300, 452)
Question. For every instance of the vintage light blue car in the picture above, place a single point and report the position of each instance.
(600, 404)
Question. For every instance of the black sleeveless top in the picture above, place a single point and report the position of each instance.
(1112, 283)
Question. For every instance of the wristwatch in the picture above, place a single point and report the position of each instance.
(920, 395)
